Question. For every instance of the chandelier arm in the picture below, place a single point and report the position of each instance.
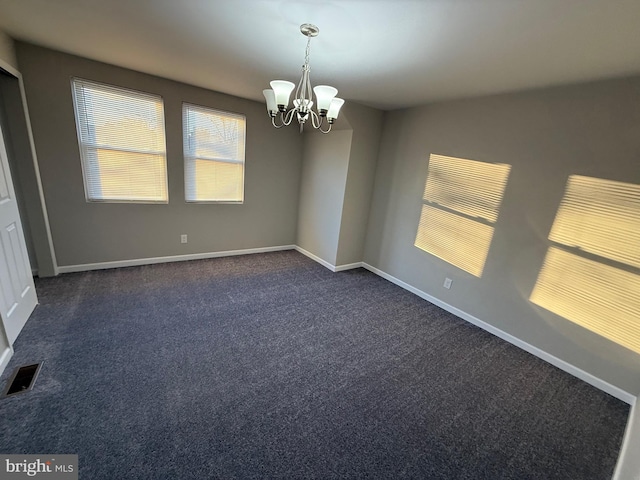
(288, 117)
(273, 122)
(325, 131)
(316, 120)
(300, 84)
(306, 95)
(302, 96)
(302, 87)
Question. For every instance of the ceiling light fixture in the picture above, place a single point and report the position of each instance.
(278, 95)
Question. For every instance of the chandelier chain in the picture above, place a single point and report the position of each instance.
(306, 55)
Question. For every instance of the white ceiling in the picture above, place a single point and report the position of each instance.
(384, 53)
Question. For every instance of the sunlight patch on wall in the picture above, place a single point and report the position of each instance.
(466, 186)
(595, 289)
(461, 204)
(600, 217)
(599, 297)
(454, 239)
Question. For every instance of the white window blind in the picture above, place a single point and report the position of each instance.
(461, 203)
(214, 154)
(122, 143)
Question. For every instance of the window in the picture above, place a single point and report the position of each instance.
(213, 155)
(591, 273)
(122, 143)
(460, 207)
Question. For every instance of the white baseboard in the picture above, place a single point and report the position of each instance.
(4, 358)
(561, 364)
(348, 266)
(174, 258)
(324, 263)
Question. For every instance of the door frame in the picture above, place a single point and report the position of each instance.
(6, 69)
(52, 264)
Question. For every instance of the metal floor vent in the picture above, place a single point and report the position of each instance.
(23, 379)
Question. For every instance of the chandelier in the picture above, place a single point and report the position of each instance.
(278, 95)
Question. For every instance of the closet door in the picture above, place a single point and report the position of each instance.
(17, 291)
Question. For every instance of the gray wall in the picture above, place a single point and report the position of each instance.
(85, 233)
(366, 123)
(322, 188)
(545, 135)
(7, 50)
(337, 183)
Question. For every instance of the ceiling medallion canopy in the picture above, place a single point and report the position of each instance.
(327, 104)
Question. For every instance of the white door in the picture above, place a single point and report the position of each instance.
(17, 292)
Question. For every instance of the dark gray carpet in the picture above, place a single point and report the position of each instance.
(270, 366)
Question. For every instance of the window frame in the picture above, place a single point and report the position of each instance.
(186, 157)
(83, 146)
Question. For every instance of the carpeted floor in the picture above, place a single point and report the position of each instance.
(271, 366)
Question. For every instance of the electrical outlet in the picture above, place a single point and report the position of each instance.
(183, 238)
(447, 283)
